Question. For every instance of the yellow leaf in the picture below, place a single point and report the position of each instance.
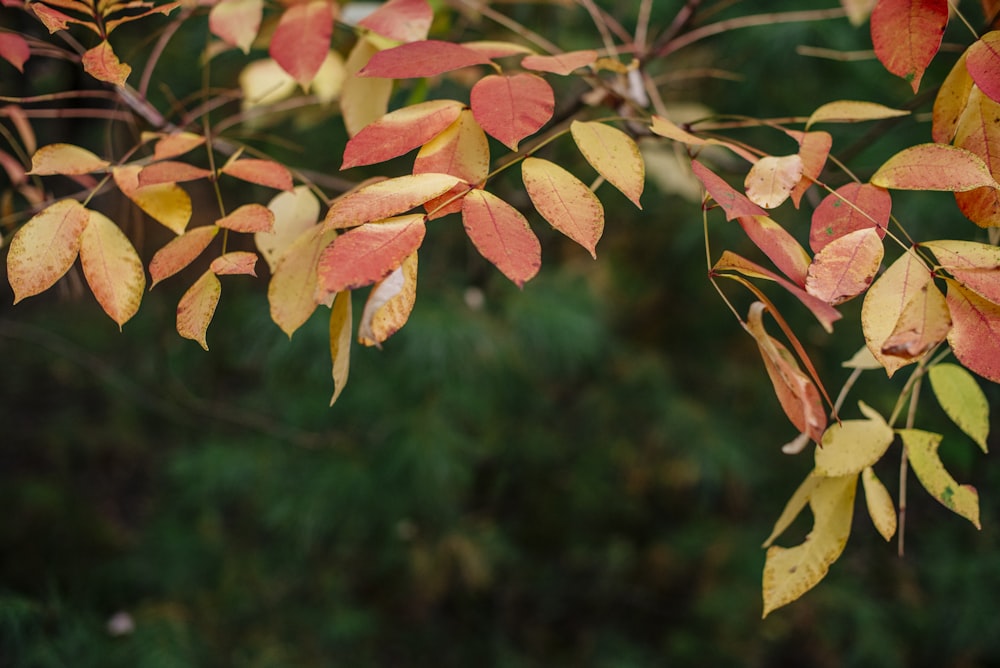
(851, 445)
(387, 198)
(791, 572)
(340, 341)
(962, 400)
(613, 154)
(564, 201)
(166, 203)
(923, 323)
(922, 451)
(950, 102)
(389, 304)
(794, 506)
(263, 82)
(363, 99)
(45, 247)
(852, 111)
(880, 506)
(294, 212)
(112, 268)
(291, 290)
(65, 159)
(885, 301)
(197, 306)
(934, 167)
(772, 178)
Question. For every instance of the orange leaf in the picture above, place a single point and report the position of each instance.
(65, 159)
(291, 292)
(512, 107)
(814, 147)
(401, 20)
(45, 247)
(387, 198)
(855, 206)
(170, 171)
(399, 132)
(733, 202)
(340, 341)
(166, 203)
(771, 179)
(427, 58)
(197, 307)
(248, 218)
(389, 304)
(975, 332)
(613, 154)
(983, 62)
(262, 172)
(501, 235)
(563, 63)
(235, 263)
(564, 201)
(54, 20)
(14, 49)
(362, 99)
(907, 34)
(923, 323)
(112, 268)
(934, 167)
(977, 131)
(180, 252)
(950, 102)
(906, 279)
(781, 247)
(294, 213)
(236, 22)
(846, 266)
(101, 63)
(462, 150)
(366, 254)
(176, 144)
(302, 39)
(976, 266)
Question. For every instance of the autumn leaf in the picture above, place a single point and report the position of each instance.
(906, 35)
(399, 132)
(950, 102)
(501, 235)
(846, 266)
(340, 342)
(851, 207)
(852, 111)
(262, 172)
(850, 446)
(14, 49)
(733, 202)
(975, 332)
(772, 178)
(401, 20)
(180, 252)
(975, 265)
(564, 201)
(512, 107)
(236, 22)
(780, 246)
(562, 63)
(235, 263)
(922, 452)
(614, 155)
(880, 506)
(934, 167)
(65, 159)
(814, 148)
(462, 150)
(197, 307)
(976, 131)
(45, 247)
(294, 212)
(101, 63)
(923, 323)
(426, 58)
(302, 39)
(389, 304)
(112, 268)
(263, 83)
(362, 99)
(248, 218)
(667, 128)
(166, 203)
(962, 400)
(291, 293)
(176, 144)
(170, 171)
(982, 60)
(387, 198)
(367, 254)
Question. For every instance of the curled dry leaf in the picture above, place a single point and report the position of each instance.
(389, 304)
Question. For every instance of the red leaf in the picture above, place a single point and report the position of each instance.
(733, 202)
(170, 171)
(180, 252)
(387, 198)
(14, 49)
(237, 262)
(564, 201)
(236, 22)
(934, 167)
(421, 59)
(262, 172)
(511, 107)
(780, 246)
(501, 235)
(814, 147)
(399, 132)
(101, 63)
(846, 266)
(402, 20)
(248, 218)
(563, 63)
(462, 150)
(978, 132)
(302, 39)
(369, 253)
(976, 266)
(975, 332)
(851, 207)
(983, 63)
(907, 34)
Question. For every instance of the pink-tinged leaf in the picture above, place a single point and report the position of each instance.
(294, 213)
(670, 130)
(65, 159)
(923, 323)
(291, 293)
(975, 332)
(45, 247)
(977, 131)
(934, 167)
(846, 266)
(389, 304)
(170, 171)
(814, 148)
(401, 20)
(387, 198)
(150, 9)
(166, 203)
(613, 154)
(197, 307)
(852, 111)
(176, 144)
(855, 206)
(340, 342)
(101, 63)
(180, 252)
(502, 235)
(950, 102)
(112, 268)
(796, 392)
(427, 58)
(248, 218)
(781, 247)
(54, 20)
(982, 60)
(362, 99)
(563, 63)
(772, 178)
(302, 39)
(824, 312)
(262, 172)
(976, 266)
(367, 254)
(564, 201)
(399, 132)
(907, 35)
(242, 263)
(906, 279)
(512, 107)
(236, 22)
(733, 202)
(14, 49)
(462, 150)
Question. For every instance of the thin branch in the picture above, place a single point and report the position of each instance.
(159, 47)
(509, 23)
(602, 27)
(642, 25)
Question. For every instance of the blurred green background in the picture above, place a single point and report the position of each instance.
(576, 474)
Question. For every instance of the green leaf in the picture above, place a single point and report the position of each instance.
(922, 451)
(963, 400)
